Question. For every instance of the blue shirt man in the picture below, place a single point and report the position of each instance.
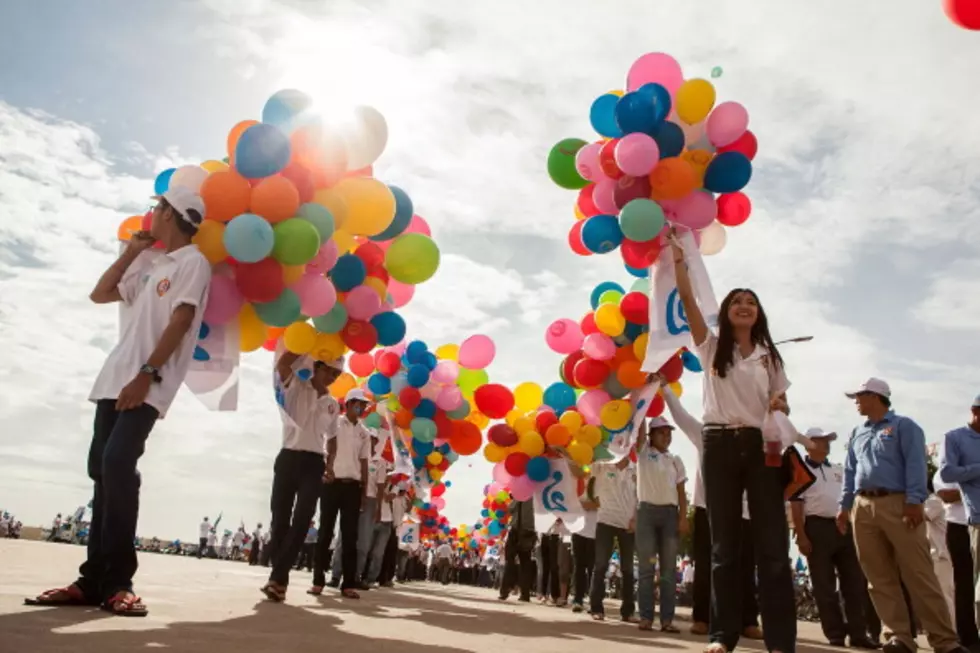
(960, 462)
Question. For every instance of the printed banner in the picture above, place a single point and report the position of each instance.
(408, 536)
(558, 499)
(622, 442)
(399, 448)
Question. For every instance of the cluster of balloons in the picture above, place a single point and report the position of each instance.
(300, 231)
(667, 154)
(495, 514)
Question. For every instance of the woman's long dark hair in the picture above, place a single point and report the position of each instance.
(725, 354)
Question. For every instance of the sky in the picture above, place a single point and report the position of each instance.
(864, 229)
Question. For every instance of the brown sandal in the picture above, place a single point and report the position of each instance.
(63, 596)
(316, 590)
(274, 592)
(350, 594)
(645, 624)
(670, 628)
(125, 604)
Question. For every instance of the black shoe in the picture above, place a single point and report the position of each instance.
(525, 599)
(895, 646)
(865, 643)
(334, 583)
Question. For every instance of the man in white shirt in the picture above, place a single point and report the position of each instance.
(308, 413)
(202, 537)
(165, 291)
(615, 489)
(55, 528)
(344, 492)
(958, 545)
(236, 542)
(381, 531)
(830, 554)
(443, 561)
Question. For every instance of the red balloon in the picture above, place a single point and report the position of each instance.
(631, 188)
(589, 373)
(607, 159)
(388, 364)
(635, 307)
(657, 406)
(575, 239)
(673, 369)
(545, 419)
(733, 209)
(438, 490)
(494, 400)
(409, 398)
(568, 366)
(746, 144)
(379, 273)
(466, 439)
(371, 255)
(360, 336)
(585, 202)
(640, 255)
(588, 324)
(502, 435)
(270, 344)
(302, 179)
(444, 426)
(260, 282)
(516, 463)
(444, 465)
(965, 13)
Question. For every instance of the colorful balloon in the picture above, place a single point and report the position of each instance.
(695, 99)
(637, 154)
(728, 172)
(261, 151)
(727, 123)
(477, 352)
(412, 258)
(561, 163)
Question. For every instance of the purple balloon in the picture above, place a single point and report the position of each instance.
(629, 189)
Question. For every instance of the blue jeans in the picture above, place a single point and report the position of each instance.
(656, 536)
(381, 533)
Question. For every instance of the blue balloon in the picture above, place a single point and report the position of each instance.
(632, 331)
(560, 397)
(390, 327)
(415, 352)
(423, 429)
(493, 529)
(418, 375)
(162, 182)
(670, 139)
(659, 97)
(285, 108)
(430, 360)
(404, 210)
(728, 172)
(379, 384)
(262, 150)
(426, 409)
(460, 412)
(639, 273)
(484, 513)
(602, 115)
(348, 273)
(599, 290)
(249, 238)
(691, 362)
(418, 462)
(635, 112)
(422, 448)
(601, 234)
(448, 483)
(538, 469)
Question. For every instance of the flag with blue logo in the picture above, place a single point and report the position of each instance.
(408, 536)
(557, 498)
(622, 442)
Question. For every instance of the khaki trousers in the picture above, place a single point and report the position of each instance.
(891, 553)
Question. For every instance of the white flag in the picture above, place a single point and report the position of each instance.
(408, 536)
(622, 442)
(558, 499)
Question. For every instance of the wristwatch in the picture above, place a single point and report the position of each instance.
(152, 372)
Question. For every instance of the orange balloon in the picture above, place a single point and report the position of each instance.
(672, 179)
(275, 199)
(698, 160)
(630, 375)
(236, 133)
(275, 332)
(403, 418)
(558, 435)
(623, 354)
(466, 438)
(129, 226)
(210, 240)
(320, 150)
(226, 195)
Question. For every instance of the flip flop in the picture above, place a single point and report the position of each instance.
(125, 604)
(350, 594)
(273, 592)
(670, 628)
(71, 596)
(316, 590)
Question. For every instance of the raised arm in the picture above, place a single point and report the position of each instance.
(695, 320)
(952, 468)
(686, 422)
(284, 366)
(107, 290)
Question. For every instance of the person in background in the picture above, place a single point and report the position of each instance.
(660, 516)
(935, 517)
(55, 528)
(583, 546)
(308, 552)
(615, 489)
(958, 545)
(564, 566)
(549, 584)
(367, 519)
(383, 527)
(212, 540)
(202, 543)
(830, 554)
(225, 547)
(443, 561)
(884, 489)
(255, 554)
(237, 542)
(519, 547)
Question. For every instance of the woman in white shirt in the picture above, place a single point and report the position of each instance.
(743, 380)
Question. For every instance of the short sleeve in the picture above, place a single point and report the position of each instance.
(190, 283)
(778, 381)
(679, 468)
(133, 280)
(706, 351)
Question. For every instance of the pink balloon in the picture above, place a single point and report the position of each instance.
(401, 293)
(399, 348)
(696, 211)
(439, 503)
(418, 225)
(325, 258)
(501, 476)
(224, 301)
(476, 352)
(655, 67)
(430, 392)
(316, 294)
(604, 196)
(587, 162)
(590, 404)
(445, 372)
(362, 303)
(599, 346)
(636, 154)
(727, 123)
(449, 398)
(564, 336)
(522, 487)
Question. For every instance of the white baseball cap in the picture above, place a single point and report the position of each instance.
(659, 423)
(976, 402)
(183, 200)
(873, 386)
(817, 432)
(356, 395)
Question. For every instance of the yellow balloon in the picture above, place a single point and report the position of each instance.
(394, 405)
(494, 453)
(572, 420)
(378, 286)
(345, 242)
(252, 332)
(615, 415)
(676, 388)
(435, 474)
(210, 240)
(371, 205)
(214, 166)
(513, 416)
(531, 443)
(479, 419)
(344, 384)
(523, 425)
(699, 160)
(299, 338)
(434, 458)
(328, 346)
(617, 93)
(448, 352)
(589, 435)
(292, 273)
(580, 452)
(334, 202)
(528, 396)
(694, 100)
(640, 346)
(609, 319)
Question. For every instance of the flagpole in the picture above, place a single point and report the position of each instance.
(799, 339)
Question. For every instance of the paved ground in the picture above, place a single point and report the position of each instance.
(207, 606)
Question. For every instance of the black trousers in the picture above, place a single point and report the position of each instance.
(583, 553)
(296, 484)
(958, 543)
(118, 441)
(701, 611)
(306, 555)
(253, 556)
(518, 569)
(733, 462)
(834, 558)
(605, 535)
(389, 562)
(202, 546)
(341, 497)
(549, 567)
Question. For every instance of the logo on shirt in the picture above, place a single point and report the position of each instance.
(886, 433)
(163, 286)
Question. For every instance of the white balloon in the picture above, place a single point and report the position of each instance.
(366, 138)
(189, 176)
(713, 239)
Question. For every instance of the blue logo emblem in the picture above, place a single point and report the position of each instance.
(554, 500)
(676, 318)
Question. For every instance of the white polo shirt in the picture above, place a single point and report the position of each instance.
(204, 529)
(742, 397)
(591, 519)
(657, 476)
(377, 473)
(936, 527)
(955, 512)
(353, 446)
(822, 499)
(312, 417)
(155, 284)
(616, 490)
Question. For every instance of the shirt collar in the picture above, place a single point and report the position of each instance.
(814, 464)
(889, 416)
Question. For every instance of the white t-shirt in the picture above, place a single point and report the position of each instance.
(377, 474)
(204, 529)
(353, 446)
(591, 520)
(616, 490)
(822, 499)
(312, 416)
(742, 397)
(657, 476)
(238, 539)
(154, 286)
(444, 552)
(955, 512)
(936, 527)
(211, 538)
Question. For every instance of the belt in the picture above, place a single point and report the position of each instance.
(877, 493)
(347, 480)
(724, 428)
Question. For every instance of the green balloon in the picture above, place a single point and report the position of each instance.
(461, 412)
(561, 164)
(297, 242)
(318, 216)
(640, 285)
(716, 72)
(332, 321)
(469, 380)
(641, 220)
(610, 297)
(280, 312)
(412, 258)
(423, 430)
(372, 421)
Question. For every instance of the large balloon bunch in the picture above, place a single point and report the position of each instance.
(298, 228)
(667, 154)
